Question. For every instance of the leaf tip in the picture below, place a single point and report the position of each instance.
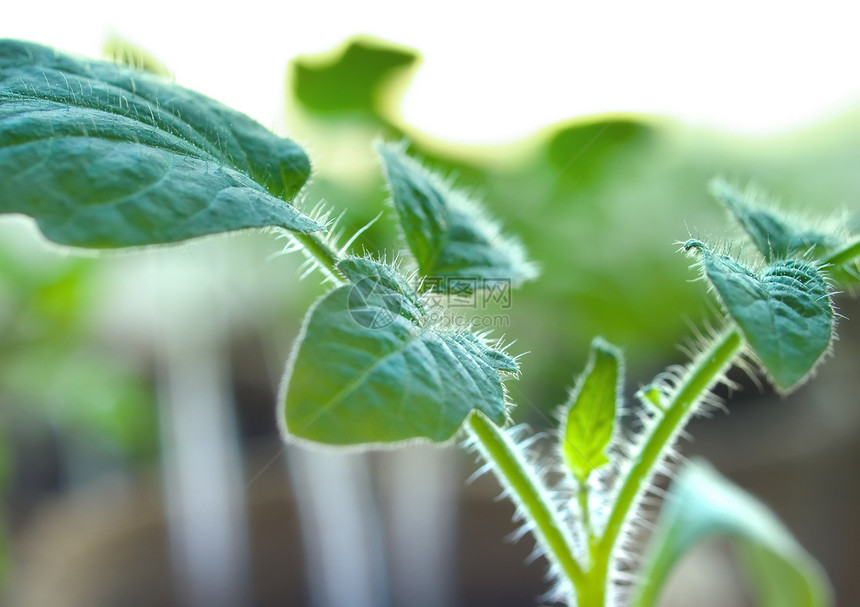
(694, 246)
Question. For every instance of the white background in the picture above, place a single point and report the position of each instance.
(492, 74)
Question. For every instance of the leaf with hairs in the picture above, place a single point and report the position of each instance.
(369, 368)
(783, 312)
(104, 156)
(457, 247)
(774, 234)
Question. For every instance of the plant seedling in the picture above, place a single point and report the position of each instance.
(103, 156)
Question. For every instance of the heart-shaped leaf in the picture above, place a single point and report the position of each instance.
(102, 155)
(705, 505)
(590, 416)
(457, 247)
(366, 368)
(784, 312)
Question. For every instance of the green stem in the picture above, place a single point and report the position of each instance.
(316, 247)
(585, 511)
(527, 492)
(703, 373)
(591, 591)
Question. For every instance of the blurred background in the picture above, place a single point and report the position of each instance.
(140, 461)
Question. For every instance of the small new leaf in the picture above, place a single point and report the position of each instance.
(652, 396)
(455, 245)
(705, 505)
(590, 411)
(367, 369)
(104, 156)
(775, 235)
(784, 312)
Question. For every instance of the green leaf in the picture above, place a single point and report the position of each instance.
(590, 415)
(360, 77)
(105, 156)
(603, 147)
(367, 368)
(775, 581)
(705, 505)
(843, 264)
(784, 312)
(373, 274)
(774, 234)
(455, 245)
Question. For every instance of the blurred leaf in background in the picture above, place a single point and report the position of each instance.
(362, 79)
(703, 505)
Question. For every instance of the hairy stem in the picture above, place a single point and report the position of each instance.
(527, 492)
(316, 247)
(591, 591)
(702, 374)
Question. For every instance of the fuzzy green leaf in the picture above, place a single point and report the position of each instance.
(591, 408)
(704, 506)
(784, 312)
(774, 234)
(367, 369)
(456, 246)
(103, 156)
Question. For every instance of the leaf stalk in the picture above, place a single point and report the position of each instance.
(528, 493)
